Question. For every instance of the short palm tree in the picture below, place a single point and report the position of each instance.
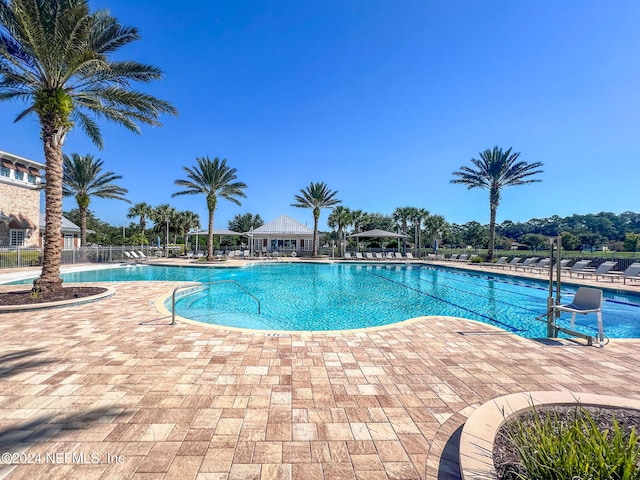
(187, 220)
(163, 216)
(54, 55)
(83, 178)
(495, 170)
(339, 219)
(402, 216)
(213, 179)
(142, 210)
(316, 197)
(417, 216)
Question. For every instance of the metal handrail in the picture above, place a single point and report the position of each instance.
(173, 296)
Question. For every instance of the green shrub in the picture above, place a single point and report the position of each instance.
(552, 448)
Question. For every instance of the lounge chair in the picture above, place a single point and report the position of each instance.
(513, 262)
(369, 256)
(347, 256)
(525, 263)
(128, 255)
(631, 273)
(398, 255)
(587, 300)
(409, 256)
(453, 257)
(541, 266)
(579, 266)
(602, 270)
(142, 255)
(500, 261)
(359, 256)
(462, 258)
(379, 256)
(389, 256)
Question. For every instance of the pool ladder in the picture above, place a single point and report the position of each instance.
(199, 286)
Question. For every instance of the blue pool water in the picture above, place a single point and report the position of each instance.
(344, 296)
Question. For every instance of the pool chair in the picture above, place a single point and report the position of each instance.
(602, 270)
(389, 256)
(379, 256)
(142, 256)
(398, 255)
(579, 266)
(369, 256)
(500, 261)
(513, 262)
(409, 256)
(453, 257)
(525, 263)
(359, 256)
(128, 255)
(587, 300)
(539, 267)
(631, 273)
(347, 255)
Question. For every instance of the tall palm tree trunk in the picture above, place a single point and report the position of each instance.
(210, 237)
(49, 279)
(493, 207)
(83, 226)
(314, 252)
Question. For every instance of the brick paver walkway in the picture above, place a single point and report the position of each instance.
(113, 383)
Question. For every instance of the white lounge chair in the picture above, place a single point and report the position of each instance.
(359, 256)
(409, 256)
(369, 256)
(398, 255)
(142, 255)
(379, 256)
(587, 300)
(389, 256)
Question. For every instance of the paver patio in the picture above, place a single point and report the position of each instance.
(112, 381)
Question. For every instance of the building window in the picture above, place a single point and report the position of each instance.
(16, 238)
(4, 171)
(18, 175)
(68, 242)
(31, 178)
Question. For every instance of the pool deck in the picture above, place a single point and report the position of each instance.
(113, 381)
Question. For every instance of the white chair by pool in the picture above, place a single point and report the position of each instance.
(587, 300)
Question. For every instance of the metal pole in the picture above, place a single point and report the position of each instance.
(550, 301)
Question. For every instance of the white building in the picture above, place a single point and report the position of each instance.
(284, 235)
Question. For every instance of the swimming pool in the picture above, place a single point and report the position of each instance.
(307, 296)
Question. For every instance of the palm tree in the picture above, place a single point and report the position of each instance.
(213, 179)
(316, 196)
(435, 226)
(339, 219)
(402, 215)
(83, 179)
(54, 55)
(495, 170)
(186, 221)
(416, 217)
(245, 222)
(142, 210)
(162, 216)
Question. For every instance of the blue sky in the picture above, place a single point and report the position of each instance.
(382, 100)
